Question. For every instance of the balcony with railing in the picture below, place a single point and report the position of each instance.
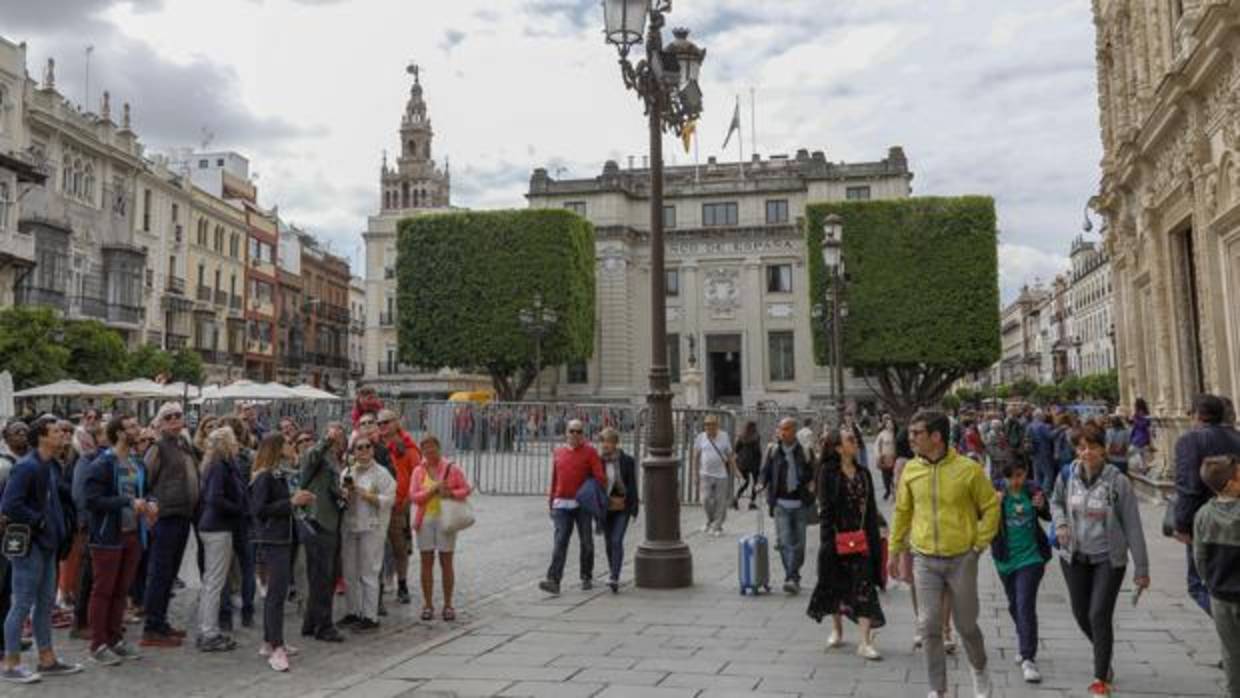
(387, 319)
(55, 298)
(175, 342)
(235, 305)
(221, 298)
(175, 284)
(204, 294)
(125, 314)
(89, 306)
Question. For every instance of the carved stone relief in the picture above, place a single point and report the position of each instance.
(722, 291)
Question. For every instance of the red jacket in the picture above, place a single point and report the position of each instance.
(404, 464)
(571, 468)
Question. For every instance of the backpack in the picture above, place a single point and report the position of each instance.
(1065, 474)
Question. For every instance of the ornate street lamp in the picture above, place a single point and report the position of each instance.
(666, 82)
(537, 321)
(832, 259)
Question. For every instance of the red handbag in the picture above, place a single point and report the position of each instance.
(851, 543)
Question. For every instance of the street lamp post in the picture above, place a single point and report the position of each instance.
(832, 259)
(537, 320)
(666, 82)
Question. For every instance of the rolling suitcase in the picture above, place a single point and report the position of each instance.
(754, 562)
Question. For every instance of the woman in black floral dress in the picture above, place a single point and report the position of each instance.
(847, 583)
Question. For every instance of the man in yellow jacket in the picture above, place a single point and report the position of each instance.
(946, 513)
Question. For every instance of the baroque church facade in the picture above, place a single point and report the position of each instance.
(1169, 96)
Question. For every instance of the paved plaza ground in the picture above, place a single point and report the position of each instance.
(704, 642)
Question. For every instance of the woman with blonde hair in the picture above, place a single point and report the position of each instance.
(223, 504)
(205, 426)
(272, 505)
(433, 479)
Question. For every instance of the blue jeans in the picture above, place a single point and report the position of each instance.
(1021, 587)
(790, 539)
(613, 529)
(243, 552)
(565, 520)
(1196, 587)
(170, 535)
(34, 588)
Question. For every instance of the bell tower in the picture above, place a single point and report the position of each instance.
(415, 182)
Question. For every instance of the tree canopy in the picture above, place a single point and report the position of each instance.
(922, 292)
(464, 278)
(39, 347)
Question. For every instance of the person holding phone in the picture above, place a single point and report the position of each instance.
(1098, 526)
(370, 491)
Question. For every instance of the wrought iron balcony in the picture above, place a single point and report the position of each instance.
(221, 297)
(204, 294)
(175, 285)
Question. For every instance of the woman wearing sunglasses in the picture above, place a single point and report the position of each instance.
(370, 491)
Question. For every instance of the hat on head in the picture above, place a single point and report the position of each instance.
(385, 415)
(168, 408)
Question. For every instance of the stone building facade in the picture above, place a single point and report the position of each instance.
(1093, 333)
(737, 308)
(1169, 95)
(88, 263)
(18, 171)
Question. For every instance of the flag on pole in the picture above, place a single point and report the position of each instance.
(687, 133)
(736, 123)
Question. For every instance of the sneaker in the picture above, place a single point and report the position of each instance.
(790, 587)
(349, 621)
(834, 640)
(949, 646)
(59, 668)
(217, 643)
(1030, 671)
(382, 610)
(1099, 688)
(278, 661)
(247, 619)
(264, 650)
(154, 638)
(917, 641)
(402, 594)
(981, 683)
(20, 674)
(550, 587)
(366, 625)
(868, 651)
(614, 586)
(124, 650)
(706, 528)
(104, 656)
(587, 584)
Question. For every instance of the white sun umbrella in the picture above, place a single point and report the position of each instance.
(246, 390)
(310, 392)
(65, 388)
(137, 388)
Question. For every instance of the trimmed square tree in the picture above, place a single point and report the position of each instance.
(922, 293)
(463, 279)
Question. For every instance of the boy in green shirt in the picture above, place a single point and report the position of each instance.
(1021, 550)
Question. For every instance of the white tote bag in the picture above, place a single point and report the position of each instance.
(455, 514)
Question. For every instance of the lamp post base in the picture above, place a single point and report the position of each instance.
(663, 560)
(663, 565)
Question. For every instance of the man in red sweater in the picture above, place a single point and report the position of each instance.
(573, 464)
(405, 457)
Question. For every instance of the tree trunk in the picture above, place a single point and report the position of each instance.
(905, 389)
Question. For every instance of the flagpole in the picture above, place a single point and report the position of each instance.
(753, 123)
(740, 143)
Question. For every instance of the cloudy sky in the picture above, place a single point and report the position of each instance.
(986, 96)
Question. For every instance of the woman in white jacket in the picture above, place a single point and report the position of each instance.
(370, 491)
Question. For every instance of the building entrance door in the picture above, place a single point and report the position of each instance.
(723, 369)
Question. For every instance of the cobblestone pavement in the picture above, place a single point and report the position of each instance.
(708, 641)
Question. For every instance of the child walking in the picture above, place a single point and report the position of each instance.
(1216, 548)
(1021, 551)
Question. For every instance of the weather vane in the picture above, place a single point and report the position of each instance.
(413, 69)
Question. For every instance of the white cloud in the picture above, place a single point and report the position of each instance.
(992, 98)
(1021, 264)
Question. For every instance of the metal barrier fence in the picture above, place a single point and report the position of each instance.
(767, 419)
(506, 448)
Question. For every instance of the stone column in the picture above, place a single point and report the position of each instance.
(753, 338)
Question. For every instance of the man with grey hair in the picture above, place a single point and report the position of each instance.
(712, 455)
(572, 464)
(788, 478)
(172, 481)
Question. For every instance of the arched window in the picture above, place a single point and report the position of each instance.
(77, 177)
(88, 186)
(66, 175)
(404, 195)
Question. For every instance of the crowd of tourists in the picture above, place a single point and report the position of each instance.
(97, 514)
(961, 485)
